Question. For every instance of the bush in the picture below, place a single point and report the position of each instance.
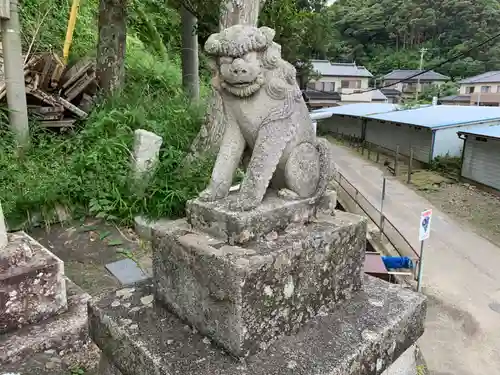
(89, 169)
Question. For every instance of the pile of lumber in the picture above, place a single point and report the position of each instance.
(57, 96)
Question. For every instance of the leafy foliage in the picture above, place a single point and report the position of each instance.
(89, 169)
(386, 34)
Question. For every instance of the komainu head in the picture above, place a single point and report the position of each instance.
(247, 59)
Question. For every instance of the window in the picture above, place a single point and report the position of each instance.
(328, 86)
(351, 84)
(485, 89)
(469, 90)
(498, 88)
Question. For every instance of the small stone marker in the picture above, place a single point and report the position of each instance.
(146, 151)
(126, 271)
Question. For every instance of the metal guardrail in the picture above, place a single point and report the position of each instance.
(376, 215)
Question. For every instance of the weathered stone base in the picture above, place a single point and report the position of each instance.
(363, 337)
(32, 283)
(65, 332)
(244, 297)
(274, 213)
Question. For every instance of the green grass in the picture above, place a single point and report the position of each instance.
(89, 169)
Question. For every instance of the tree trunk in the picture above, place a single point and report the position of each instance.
(14, 77)
(111, 44)
(190, 64)
(233, 12)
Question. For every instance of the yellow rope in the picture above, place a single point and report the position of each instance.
(70, 30)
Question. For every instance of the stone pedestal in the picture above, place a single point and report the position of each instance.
(281, 287)
(39, 308)
(32, 284)
(363, 336)
(244, 297)
(274, 214)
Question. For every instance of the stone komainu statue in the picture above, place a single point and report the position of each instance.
(266, 115)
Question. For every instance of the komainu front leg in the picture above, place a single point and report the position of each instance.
(271, 142)
(228, 159)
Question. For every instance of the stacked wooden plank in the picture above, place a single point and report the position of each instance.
(58, 96)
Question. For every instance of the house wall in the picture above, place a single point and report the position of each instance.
(338, 124)
(447, 141)
(330, 83)
(494, 87)
(410, 88)
(481, 161)
(390, 135)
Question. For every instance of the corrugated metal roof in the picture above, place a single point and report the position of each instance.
(486, 131)
(488, 77)
(400, 74)
(326, 68)
(439, 116)
(359, 109)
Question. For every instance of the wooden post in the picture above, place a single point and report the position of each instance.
(378, 156)
(362, 148)
(396, 161)
(410, 167)
(369, 151)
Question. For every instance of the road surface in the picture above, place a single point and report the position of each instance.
(461, 275)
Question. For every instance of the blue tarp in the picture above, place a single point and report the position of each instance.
(397, 262)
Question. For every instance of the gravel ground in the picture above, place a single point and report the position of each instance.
(469, 205)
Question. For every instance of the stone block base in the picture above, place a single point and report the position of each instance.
(65, 332)
(246, 297)
(32, 283)
(218, 220)
(363, 336)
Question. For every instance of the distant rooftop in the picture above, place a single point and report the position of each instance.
(488, 77)
(487, 131)
(401, 74)
(456, 98)
(327, 68)
(440, 116)
(378, 95)
(358, 109)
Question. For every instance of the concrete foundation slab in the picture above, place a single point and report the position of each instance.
(127, 271)
(363, 336)
(274, 213)
(32, 283)
(67, 331)
(244, 297)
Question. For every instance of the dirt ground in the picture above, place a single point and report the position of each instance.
(85, 247)
(466, 203)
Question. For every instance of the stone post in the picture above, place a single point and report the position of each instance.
(145, 157)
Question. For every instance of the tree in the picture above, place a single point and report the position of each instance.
(110, 69)
(232, 12)
(190, 62)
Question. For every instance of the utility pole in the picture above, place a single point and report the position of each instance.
(14, 72)
(422, 52)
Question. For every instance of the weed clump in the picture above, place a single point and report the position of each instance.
(89, 169)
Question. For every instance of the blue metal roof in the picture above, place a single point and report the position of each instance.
(358, 109)
(492, 131)
(439, 116)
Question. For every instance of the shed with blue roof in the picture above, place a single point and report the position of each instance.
(481, 156)
(430, 131)
(348, 119)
